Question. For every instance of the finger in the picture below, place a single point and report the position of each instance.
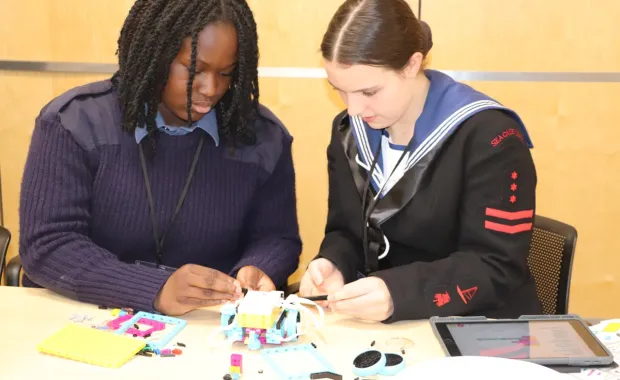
(210, 272)
(306, 285)
(370, 306)
(354, 289)
(315, 274)
(201, 302)
(332, 287)
(353, 306)
(214, 280)
(308, 290)
(206, 294)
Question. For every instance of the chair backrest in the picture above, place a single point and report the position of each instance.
(551, 263)
(5, 238)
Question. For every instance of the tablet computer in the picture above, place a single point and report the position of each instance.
(546, 340)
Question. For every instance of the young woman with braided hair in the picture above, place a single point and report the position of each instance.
(168, 187)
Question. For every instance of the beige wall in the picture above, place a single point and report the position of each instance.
(573, 125)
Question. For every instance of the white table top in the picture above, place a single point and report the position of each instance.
(31, 315)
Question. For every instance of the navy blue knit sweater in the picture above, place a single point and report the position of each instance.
(85, 216)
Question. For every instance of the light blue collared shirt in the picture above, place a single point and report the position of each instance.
(208, 124)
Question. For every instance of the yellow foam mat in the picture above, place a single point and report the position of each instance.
(89, 345)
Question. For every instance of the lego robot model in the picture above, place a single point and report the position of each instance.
(267, 318)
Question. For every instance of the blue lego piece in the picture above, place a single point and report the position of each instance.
(290, 323)
(373, 369)
(235, 334)
(273, 336)
(392, 369)
(306, 353)
(228, 312)
(253, 342)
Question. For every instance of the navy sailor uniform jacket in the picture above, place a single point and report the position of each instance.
(452, 235)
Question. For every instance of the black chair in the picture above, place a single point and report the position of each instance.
(5, 239)
(13, 271)
(551, 261)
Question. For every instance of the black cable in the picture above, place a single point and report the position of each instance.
(420, 10)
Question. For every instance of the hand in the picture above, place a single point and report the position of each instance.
(367, 298)
(193, 286)
(321, 278)
(253, 278)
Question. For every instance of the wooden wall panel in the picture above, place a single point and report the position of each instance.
(307, 107)
(574, 125)
(574, 128)
(524, 35)
(61, 30)
(290, 31)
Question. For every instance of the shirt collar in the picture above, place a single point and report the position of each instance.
(208, 123)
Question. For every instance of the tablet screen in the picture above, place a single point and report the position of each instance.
(523, 340)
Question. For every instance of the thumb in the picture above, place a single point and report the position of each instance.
(247, 277)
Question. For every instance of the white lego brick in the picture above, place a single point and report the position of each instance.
(260, 303)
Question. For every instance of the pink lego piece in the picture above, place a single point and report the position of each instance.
(155, 326)
(236, 360)
(166, 351)
(115, 324)
(262, 334)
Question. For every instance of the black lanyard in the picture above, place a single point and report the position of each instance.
(372, 263)
(159, 243)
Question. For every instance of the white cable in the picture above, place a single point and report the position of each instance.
(387, 247)
(219, 329)
(295, 302)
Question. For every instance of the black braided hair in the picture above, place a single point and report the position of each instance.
(151, 38)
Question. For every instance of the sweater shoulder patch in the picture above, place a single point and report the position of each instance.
(271, 138)
(90, 113)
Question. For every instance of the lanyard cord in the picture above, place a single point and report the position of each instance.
(372, 262)
(160, 243)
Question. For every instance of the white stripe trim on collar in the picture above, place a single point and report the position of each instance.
(365, 149)
(437, 136)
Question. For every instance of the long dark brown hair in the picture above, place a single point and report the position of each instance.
(382, 33)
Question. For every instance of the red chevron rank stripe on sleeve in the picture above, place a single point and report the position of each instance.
(506, 217)
(507, 228)
(509, 215)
